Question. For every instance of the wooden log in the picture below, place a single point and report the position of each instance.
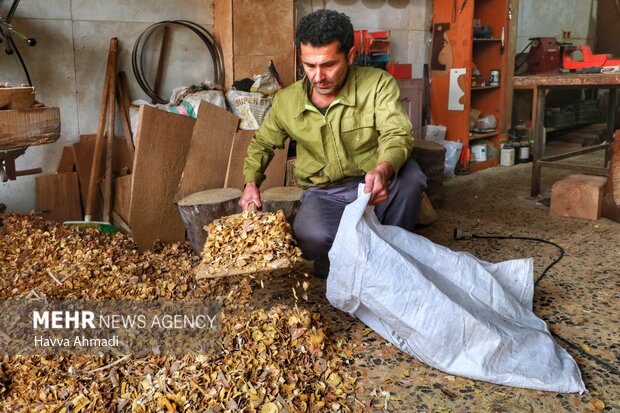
(285, 198)
(291, 179)
(28, 127)
(16, 97)
(427, 214)
(431, 157)
(611, 199)
(201, 208)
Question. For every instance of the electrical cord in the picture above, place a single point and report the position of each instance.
(21, 60)
(459, 235)
(8, 31)
(137, 55)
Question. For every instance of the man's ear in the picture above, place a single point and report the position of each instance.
(352, 55)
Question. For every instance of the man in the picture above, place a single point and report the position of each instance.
(350, 128)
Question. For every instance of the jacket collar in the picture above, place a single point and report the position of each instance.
(345, 97)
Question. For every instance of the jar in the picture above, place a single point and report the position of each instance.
(524, 151)
(507, 155)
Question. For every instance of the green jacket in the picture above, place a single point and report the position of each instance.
(364, 126)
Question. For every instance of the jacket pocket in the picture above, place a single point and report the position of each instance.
(359, 133)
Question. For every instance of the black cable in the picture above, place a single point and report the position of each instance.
(11, 46)
(584, 353)
(11, 12)
(458, 234)
(137, 55)
(19, 56)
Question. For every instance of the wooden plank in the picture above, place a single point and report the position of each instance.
(28, 127)
(16, 97)
(207, 159)
(223, 33)
(122, 197)
(275, 173)
(566, 80)
(66, 163)
(58, 197)
(83, 154)
(163, 142)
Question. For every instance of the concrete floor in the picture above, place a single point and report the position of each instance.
(577, 298)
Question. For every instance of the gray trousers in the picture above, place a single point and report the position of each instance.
(319, 215)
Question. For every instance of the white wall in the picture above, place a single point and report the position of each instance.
(67, 66)
(409, 22)
(552, 17)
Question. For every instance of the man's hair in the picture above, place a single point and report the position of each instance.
(323, 27)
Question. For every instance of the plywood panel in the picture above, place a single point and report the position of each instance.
(122, 197)
(205, 167)
(262, 27)
(164, 139)
(251, 32)
(223, 33)
(275, 173)
(58, 197)
(66, 163)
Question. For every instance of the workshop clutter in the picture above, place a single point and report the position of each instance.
(547, 55)
(452, 311)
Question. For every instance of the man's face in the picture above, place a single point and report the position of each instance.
(326, 66)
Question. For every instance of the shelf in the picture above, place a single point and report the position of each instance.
(487, 40)
(572, 125)
(478, 166)
(484, 87)
(475, 136)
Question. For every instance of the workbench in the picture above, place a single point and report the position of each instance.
(540, 85)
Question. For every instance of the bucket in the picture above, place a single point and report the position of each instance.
(479, 152)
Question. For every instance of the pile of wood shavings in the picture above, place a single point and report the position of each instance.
(275, 360)
(249, 241)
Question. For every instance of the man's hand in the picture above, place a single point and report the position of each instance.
(377, 182)
(250, 194)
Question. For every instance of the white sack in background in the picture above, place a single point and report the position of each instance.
(452, 311)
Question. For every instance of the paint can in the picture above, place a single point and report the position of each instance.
(479, 152)
(507, 155)
(494, 78)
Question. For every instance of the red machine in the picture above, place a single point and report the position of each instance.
(544, 56)
(581, 57)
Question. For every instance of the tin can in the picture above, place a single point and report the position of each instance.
(494, 78)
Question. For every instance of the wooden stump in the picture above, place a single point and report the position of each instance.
(201, 208)
(611, 199)
(578, 196)
(291, 179)
(285, 198)
(431, 156)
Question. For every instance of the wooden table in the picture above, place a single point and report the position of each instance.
(540, 84)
